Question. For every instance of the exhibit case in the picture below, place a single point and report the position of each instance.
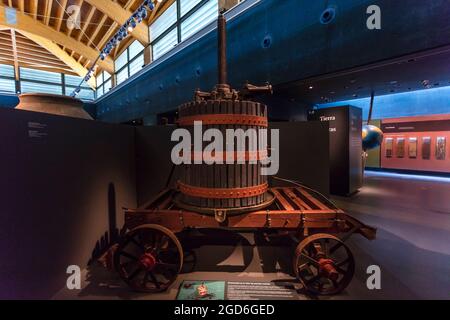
(416, 143)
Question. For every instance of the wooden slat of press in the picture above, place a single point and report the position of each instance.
(189, 168)
(197, 169)
(237, 167)
(203, 176)
(255, 148)
(244, 171)
(311, 198)
(264, 178)
(223, 167)
(210, 169)
(230, 167)
(258, 166)
(294, 198)
(217, 173)
(280, 198)
(250, 171)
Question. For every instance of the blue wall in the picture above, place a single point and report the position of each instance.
(8, 100)
(415, 103)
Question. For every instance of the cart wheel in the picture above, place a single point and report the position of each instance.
(323, 264)
(149, 258)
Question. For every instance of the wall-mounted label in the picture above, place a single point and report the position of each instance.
(37, 130)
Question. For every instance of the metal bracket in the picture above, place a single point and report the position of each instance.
(220, 215)
(268, 219)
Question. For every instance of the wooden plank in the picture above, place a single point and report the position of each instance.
(231, 167)
(210, 169)
(316, 202)
(217, 167)
(301, 204)
(177, 221)
(237, 167)
(286, 205)
(223, 167)
(244, 169)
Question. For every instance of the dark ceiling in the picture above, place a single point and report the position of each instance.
(422, 70)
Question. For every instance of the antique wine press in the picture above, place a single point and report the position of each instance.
(234, 195)
(225, 189)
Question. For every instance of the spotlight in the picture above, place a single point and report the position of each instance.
(131, 25)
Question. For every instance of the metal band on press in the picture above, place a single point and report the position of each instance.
(223, 193)
(225, 119)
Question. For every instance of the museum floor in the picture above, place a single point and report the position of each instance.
(412, 214)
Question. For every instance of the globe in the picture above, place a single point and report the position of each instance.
(372, 137)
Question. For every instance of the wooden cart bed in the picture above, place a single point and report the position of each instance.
(294, 208)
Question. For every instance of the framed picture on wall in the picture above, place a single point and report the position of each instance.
(400, 147)
(426, 148)
(389, 147)
(412, 148)
(440, 148)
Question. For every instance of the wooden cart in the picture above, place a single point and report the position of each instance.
(150, 256)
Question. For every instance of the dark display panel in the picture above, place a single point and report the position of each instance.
(345, 147)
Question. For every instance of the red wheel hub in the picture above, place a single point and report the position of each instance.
(148, 261)
(327, 268)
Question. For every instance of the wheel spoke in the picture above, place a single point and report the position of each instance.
(167, 265)
(153, 279)
(344, 262)
(326, 247)
(303, 266)
(311, 260)
(335, 247)
(138, 244)
(129, 255)
(340, 270)
(335, 283)
(135, 273)
(313, 279)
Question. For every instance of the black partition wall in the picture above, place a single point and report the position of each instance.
(63, 184)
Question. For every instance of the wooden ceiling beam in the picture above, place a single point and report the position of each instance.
(21, 5)
(29, 25)
(78, 3)
(86, 24)
(16, 60)
(24, 64)
(99, 27)
(64, 56)
(120, 15)
(60, 13)
(48, 11)
(34, 7)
